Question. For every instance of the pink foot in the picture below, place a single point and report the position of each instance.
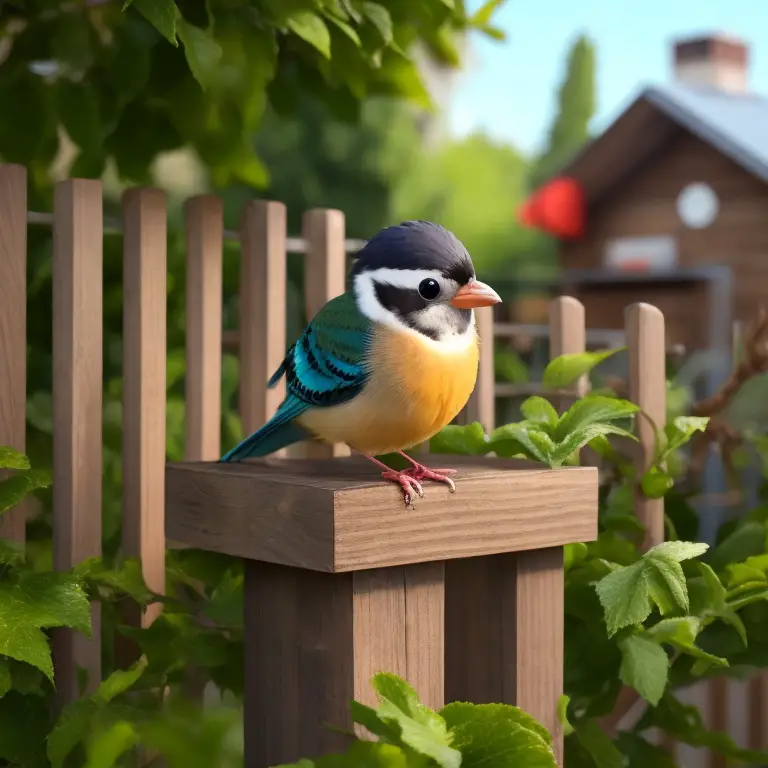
(409, 485)
(410, 479)
(420, 472)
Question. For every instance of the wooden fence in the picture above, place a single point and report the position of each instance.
(494, 576)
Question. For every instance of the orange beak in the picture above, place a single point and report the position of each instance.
(475, 294)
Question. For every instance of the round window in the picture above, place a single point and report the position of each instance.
(697, 205)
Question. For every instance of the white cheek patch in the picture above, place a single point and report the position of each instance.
(434, 318)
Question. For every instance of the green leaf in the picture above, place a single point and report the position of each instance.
(627, 594)
(566, 369)
(682, 632)
(655, 483)
(311, 28)
(379, 17)
(163, 15)
(625, 597)
(108, 744)
(582, 436)
(644, 667)
(742, 573)
(539, 410)
(593, 410)
(746, 541)
(598, 745)
(482, 16)
(420, 728)
(533, 442)
(24, 724)
(12, 459)
(18, 486)
(78, 108)
(497, 735)
(203, 53)
(37, 601)
(682, 429)
(469, 440)
(76, 719)
(562, 714)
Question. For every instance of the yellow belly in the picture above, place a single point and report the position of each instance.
(414, 390)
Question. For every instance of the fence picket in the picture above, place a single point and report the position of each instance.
(204, 239)
(325, 270)
(77, 410)
(262, 310)
(13, 325)
(144, 388)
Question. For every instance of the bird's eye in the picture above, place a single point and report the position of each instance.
(429, 289)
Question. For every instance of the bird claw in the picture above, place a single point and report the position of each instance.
(408, 484)
(410, 479)
(420, 472)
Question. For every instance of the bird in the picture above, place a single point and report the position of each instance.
(388, 363)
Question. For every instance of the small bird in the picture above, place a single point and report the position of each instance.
(386, 365)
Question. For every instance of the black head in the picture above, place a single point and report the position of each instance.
(417, 245)
(411, 275)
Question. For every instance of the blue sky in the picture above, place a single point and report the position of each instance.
(509, 88)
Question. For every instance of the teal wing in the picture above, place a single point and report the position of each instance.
(326, 366)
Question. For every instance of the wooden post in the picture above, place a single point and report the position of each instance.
(144, 390)
(13, 325)
(204, 234)
(342, 582)
(77, 410)
(646, 346)
(325, 269)
(482, 404)
(262, 310)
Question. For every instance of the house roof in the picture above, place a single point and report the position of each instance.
(735, 124)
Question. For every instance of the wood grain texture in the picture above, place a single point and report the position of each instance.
(337, 515)
(504, 633)
(262, 310)
(325, 274)
(144, 380)
(482, 404)
(648, 389)
(13, 326)
(757, 706)
(77, 409)
(568, 334)
(204, 229)
(315, 640)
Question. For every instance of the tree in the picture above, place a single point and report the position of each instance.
(576, 107)
(131, 83)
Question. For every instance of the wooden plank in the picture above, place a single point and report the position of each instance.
(648, 389)
(77, 409)
(315, 640)
(482, 403)
(425, 630)
(325, 269)
(504, 632)
(327, 515)
(299, 675)
(262, 310)
(144, 379)
(204, 232)
(757, 707)
(718, 716)
(568, 333)
(13, 325)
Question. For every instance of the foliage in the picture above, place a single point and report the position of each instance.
(473, 187)
(655, 621)
(410, 735)
(576, 107)
(129, 83)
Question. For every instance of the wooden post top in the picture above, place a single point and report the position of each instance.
(338, 515)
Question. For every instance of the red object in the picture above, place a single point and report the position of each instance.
(558, 208)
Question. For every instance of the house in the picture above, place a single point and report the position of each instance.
(675, 200)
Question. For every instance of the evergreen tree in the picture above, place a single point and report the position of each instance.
(576, 107)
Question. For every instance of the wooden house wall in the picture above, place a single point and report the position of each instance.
(643, 204)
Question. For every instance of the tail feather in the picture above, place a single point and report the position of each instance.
(281, 430)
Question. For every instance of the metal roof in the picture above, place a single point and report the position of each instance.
(734, 123)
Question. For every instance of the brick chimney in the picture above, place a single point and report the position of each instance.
(712, 61)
